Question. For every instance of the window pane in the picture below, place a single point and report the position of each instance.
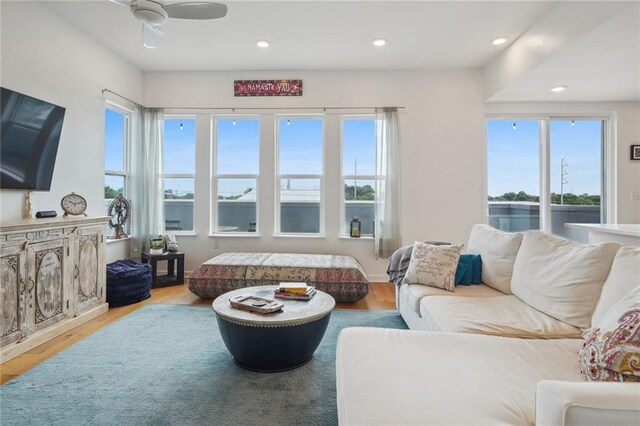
(114, 136)
(576, 175)
(359, 147)
(237, 205)
(178, 204)
(300, 142)
(513, 174)
(300, 205)
(113, 185)
(359, 196)
(238, 146)
(179, 148)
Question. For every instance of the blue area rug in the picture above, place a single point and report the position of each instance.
(167, 365)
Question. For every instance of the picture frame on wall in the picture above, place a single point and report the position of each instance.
(635, 152)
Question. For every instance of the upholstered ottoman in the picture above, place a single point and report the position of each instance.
(340, 276)
(128, 282)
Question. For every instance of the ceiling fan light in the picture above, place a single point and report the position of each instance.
(149, 12)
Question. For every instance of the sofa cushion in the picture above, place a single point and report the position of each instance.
(413, 293)
(444, 378)
(498, 251)
(561, 278)
(499, 316)
(434, 266)
(611, 348)
(623, 277)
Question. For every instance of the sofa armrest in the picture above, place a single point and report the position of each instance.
(587, 403)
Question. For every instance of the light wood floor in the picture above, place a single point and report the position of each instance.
(381, 296)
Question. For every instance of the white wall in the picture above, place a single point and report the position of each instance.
(442, 132)
(626, 123)
(45, 57)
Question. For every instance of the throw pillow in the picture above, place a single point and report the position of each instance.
(469, 269)
(561, 278)
(498, 250)
(461, 270)
(623, 277)
(434, 266)
(611, 349)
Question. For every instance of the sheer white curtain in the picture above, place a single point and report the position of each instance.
(145, 178)
(387, 230)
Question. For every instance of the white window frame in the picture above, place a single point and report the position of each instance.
(278, 177)
(215, 176)
(125, 146)
(608, 199)
(343, 178)
(180, 175)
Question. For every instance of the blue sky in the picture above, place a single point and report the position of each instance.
(513, 157)
(113, 140)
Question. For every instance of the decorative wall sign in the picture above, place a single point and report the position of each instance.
(267, 87)
(635, 152)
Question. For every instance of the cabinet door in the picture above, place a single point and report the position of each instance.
(89, 275)
(12, 295)
(49, 283)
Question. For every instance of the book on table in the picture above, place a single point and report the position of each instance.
(293, 287)
(298, 291)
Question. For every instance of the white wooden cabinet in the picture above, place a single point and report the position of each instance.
(53, 278)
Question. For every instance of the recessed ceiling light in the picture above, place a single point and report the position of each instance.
(558, 89)
(379, 42)
(498, 41)
(262, 43)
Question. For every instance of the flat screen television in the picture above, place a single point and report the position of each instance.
(29, 135)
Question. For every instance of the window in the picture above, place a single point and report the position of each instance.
(237, 146)
(568, 167)
(116, 134)
(513, 174)
(358, 172)
(300, 173)
(576, 154)
(178, 170)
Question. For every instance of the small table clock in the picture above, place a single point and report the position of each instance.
(73, 205)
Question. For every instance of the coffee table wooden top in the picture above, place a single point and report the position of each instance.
(294, 312)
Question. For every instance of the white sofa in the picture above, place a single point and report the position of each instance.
(504, 352)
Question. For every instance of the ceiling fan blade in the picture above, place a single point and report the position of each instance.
(196, 10)
(152, 36)
(122, 2)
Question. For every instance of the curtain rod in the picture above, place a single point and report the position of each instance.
(249, 108)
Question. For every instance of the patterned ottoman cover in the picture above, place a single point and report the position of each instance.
(340, 276)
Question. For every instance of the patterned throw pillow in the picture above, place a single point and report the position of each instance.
(434, 266)
(611, 349)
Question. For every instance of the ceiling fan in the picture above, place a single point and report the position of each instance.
(154, 13)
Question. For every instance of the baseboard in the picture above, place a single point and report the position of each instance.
(378, 278)
(40, 337)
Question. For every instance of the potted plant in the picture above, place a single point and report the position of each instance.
(156, 246)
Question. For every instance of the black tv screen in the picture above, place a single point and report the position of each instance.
(29, 137)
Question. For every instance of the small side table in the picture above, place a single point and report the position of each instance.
(171, 278)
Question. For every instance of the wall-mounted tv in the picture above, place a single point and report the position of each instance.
(29, 135)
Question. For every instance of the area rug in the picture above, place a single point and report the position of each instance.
(167, 365)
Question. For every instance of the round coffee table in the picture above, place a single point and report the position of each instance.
(280, 341)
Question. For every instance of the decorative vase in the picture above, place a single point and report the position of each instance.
(155, 251)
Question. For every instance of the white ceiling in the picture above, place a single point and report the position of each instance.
(314, 35)
(602, 66)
